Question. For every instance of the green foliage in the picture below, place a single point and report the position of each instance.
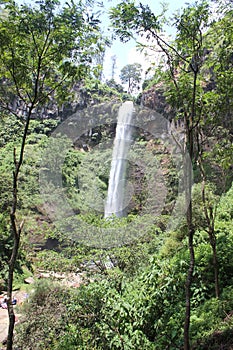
(44, 47)
(131, 75)
(113, 84)
(211, 318)
(23, 266)
(133, 296)
(220, 63)
(158, 76)
(6, 167)
(86, 177)
(225, 210)
(28, 180)
(10, 129)
(53, 261)
(143, 310)
(127, 19)
(190, 24)
(107, 319)
(93, 91)
(45, 317)
(44, 127)
(5, 247)
(212, 200)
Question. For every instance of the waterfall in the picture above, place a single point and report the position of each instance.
(117, 193)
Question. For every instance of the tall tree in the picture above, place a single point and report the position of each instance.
(184, 59)
(44, 50)
(216, 121)
(189, 42)
(131, 76)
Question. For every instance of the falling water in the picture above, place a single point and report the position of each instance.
(117, 194)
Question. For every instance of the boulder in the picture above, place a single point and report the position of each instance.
(29, 280)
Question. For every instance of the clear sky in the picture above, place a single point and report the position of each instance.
(126, 52)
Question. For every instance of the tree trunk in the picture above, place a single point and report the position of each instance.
(16, 240)
(215, 264)
(210, 219)
(189, 125)
(189, 277)
(11, 314)
(16, 232)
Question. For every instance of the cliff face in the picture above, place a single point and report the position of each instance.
(80, 97)
(51, 109)
(154, 98)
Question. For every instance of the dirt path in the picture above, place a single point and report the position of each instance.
(20, 296)
(3, 325)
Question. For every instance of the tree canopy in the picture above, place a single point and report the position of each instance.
(131, 75)
(43, 48)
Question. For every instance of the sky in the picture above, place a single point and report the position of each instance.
(126, 53)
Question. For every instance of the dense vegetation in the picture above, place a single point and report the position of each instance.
(150, 280)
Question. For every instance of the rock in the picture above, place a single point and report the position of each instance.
(29, 280)
(44, 275)
(57, 275)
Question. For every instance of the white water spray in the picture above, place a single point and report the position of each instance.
(117, 194)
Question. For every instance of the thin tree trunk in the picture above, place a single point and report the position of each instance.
(210, 219)
(189, 215)
(215, 264)
(16, 240)
(189, 277)
(12, 262)
(16, 232)
(188, 292)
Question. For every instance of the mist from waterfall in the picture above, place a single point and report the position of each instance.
(117, 197)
